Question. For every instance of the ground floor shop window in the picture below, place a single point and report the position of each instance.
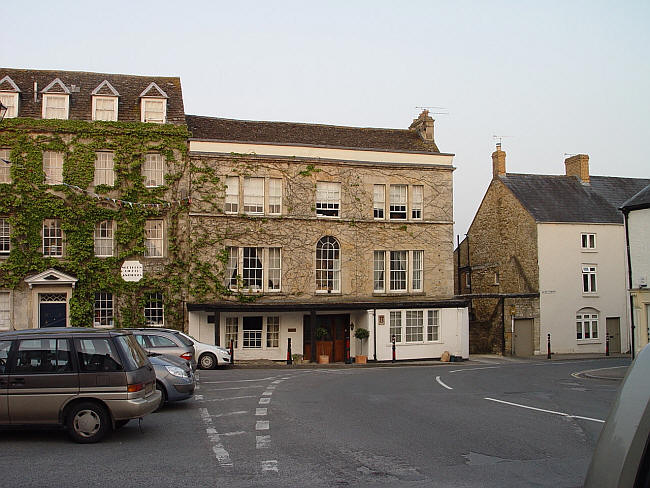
(252, 329)
(408, 326)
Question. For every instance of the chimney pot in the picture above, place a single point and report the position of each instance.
(423, 125)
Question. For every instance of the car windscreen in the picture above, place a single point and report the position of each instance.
(134, 355)
(183, 339)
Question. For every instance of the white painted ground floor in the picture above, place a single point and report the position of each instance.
(264, 333)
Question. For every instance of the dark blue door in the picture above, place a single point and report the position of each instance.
(53, 314)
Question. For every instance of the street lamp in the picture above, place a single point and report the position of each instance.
(3, 111)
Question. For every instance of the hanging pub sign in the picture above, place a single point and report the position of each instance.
(132, 271)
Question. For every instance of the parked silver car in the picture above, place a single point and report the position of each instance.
(88, 380)
(174, 378)
(165, 341)
(622, 455)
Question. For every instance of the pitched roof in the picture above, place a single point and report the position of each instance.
(638, 201)
(293, 133)
(553, 198)
(128, 86)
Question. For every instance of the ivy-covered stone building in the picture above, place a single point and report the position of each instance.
(308, 232)
(93, 175)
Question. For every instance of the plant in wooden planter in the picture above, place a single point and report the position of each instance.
(361, 334)
(321, 333)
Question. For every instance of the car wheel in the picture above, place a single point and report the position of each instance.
(163, 395)
(208, 361)
(87, 422)
(121, 423)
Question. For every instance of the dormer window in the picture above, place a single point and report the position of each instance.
(56, 100)
(9, 96)
(105, 99)
(153, 105)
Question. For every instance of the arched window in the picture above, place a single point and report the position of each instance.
(587, 324)
(328, 265)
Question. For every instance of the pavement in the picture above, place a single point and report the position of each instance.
(616, 373)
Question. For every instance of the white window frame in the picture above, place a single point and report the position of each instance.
(53, 238)
(53, 167)
(5, 166)
(104, 238)
(379, 271)
(154, 303)
(379, 202)
(104, 168)
(275, 196)
(154, 238)
(253, 195)
(433, 326)
(153, 170)
(585, 323)
(417, 202)
(588, 241)
(49, 109)
(328, 199)
(253, 268)
(5, 236)
(274, 266)
(398, 202)
(589, 279)
(10, 100)
(5, 310)
(104, 310)
(231, 202)
(98, 100)
(395, 325)
(252, 338)
(270, 273)
(328, 265)
(272, 331)
(147, 115)
(414, 326)
(397, 274)
(417, 270)
(231, 331)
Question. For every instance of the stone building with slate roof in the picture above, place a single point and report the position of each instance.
(319, 230)
(637, 225)
(93, 175)
(545, 254)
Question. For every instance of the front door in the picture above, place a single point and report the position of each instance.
(333, 344)
(523, 337)
(52, 309)
(614, 333)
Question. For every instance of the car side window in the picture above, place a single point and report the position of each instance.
(37, 356)
(4, 355)
(142, 340)
(160, 341)
(98, 355)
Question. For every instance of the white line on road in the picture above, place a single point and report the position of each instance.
(271, 465)
(270, 387)
(239, 432)
(262, 425)
(545, 411)
(231, 398)
(228, 414)
(217, 447)
(472, 369)
(260, 411)
(238, 381)
(237, 388)
(276, 382)
(267, 393)
(441, 383)
(198, 397)
(264, 401)
(262, 441)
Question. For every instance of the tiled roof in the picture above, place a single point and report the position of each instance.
(551, 198)
(640, 200)
(307, 134)
(128, 86)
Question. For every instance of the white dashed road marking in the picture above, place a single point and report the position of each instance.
(262, 441)
(260, 411)
(545, 411)
(267, 393)
(217, 447)
(228, 414)
(198, 397)
(270, 465)
(262, 425)
(231, 398)
(264, 401)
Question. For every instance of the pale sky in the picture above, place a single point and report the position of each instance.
(554, 77)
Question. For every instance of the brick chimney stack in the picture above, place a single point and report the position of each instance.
(423, 125)
(498, 162)
(578, 165)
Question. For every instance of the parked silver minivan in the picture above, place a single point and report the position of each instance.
(89, 380)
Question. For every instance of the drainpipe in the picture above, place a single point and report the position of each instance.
(458, 262)
(503, 325)
(374, 333)
(629, 277)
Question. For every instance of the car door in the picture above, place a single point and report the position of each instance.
(101, 372)
(42, 380)
(5, 346)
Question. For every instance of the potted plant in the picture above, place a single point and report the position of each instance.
(321, 334)
(296, 358)
(361, 334)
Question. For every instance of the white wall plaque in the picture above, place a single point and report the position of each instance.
(132, 271)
